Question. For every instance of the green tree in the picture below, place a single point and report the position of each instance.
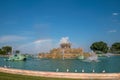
(2, 52)
(7, 49)
(99, 46)
(17, 51)
(115, 48)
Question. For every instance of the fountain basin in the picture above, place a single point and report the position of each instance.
(107, 64)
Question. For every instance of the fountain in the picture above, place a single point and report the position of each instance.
(82, 70)
(93, 71)
(63, 54)
(75, 70)
(57, 70)
(67, 70)
(93, 58)
(90, 64)
(108, 54)
(103, 71)
(65, 44)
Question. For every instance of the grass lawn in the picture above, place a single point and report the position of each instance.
(6, 76)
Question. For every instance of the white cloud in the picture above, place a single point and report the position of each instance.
(11, 38)
(112, 31)
(42, 41)
(115, 14)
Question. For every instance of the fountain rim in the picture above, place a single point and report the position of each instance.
(62, 74)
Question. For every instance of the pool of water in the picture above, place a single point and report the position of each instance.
(109, 64)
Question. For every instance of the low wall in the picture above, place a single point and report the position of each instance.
(101, 76)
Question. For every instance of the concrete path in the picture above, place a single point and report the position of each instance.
(89, 76)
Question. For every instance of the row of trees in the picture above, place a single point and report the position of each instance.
(7, 50)
(103, 47)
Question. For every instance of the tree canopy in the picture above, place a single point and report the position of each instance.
(2, 52)
(7, 49)
(115, 47)
(99, 46)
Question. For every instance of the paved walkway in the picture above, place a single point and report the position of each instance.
(91, 76)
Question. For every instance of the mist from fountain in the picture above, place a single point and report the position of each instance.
(63, 54)
(93, 57)
(108, 54)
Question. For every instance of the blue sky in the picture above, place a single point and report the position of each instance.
(34, 26)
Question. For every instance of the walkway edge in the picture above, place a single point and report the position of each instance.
(101, 76)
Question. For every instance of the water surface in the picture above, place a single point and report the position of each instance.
(109, 64)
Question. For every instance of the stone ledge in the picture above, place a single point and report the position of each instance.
(100, 76)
